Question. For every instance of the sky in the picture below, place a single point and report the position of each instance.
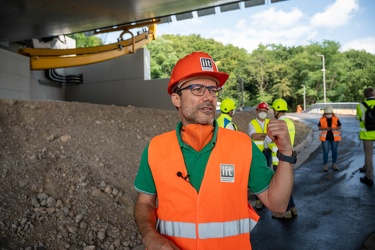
(289, 23)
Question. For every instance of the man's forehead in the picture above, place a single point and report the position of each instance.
(199, 80)
(205, 80)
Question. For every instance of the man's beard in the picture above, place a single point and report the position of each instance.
(202, 114)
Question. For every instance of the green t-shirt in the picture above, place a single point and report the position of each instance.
(195, 162)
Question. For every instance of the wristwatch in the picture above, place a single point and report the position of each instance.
(291, 159)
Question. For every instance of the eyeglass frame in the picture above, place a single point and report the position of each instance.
(210, 89)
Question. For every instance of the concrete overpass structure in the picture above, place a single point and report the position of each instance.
(121, 81)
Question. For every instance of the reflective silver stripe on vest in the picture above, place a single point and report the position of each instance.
(206, 230)
(225, 229)
(176, 229)
(363, 109)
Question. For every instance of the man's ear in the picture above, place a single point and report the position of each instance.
(176, 100)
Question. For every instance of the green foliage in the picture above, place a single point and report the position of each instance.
(83, 41)
(274, 71)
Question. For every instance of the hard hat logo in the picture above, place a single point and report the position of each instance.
(195, 65)
(206, 64)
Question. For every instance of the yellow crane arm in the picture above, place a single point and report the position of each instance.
(63, 58)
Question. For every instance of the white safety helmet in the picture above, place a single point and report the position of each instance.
(328, 110)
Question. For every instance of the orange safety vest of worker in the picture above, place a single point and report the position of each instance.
(219, 216)
(324, 124)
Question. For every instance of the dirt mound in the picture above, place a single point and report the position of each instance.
(67, 172)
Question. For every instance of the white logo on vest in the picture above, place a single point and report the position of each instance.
(226, 172)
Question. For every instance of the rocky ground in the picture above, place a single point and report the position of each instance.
(67, 171)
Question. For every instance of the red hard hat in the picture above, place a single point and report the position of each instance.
(262, 105)
(195, 64)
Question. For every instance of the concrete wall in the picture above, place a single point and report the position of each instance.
(18, 82)
(121, 81)
(14, 76)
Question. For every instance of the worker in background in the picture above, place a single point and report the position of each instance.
(367, 135)
(258, 133)
(329, 126)
(227, 108)
(299, 108)
(279, 107)
(258, 130)
(192, 181)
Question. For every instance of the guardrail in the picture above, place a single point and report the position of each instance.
(343, 108)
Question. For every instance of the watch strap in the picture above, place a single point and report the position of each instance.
(291, 159)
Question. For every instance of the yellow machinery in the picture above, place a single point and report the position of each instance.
(62, 58)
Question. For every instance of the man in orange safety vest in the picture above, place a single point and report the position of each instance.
(193, 181)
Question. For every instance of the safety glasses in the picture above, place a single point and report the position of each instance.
(200, 89)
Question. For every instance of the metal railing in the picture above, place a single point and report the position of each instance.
(346, 108)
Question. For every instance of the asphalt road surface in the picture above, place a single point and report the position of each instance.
(335, 210)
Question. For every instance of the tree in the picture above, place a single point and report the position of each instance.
(360, 73)
(163, 57)
(274, 71)
(258, 69)
(167, 49)
(83, 41)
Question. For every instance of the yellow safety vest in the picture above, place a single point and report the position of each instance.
(292, 135)
(259, 130)
(224, 119)
(363, 133)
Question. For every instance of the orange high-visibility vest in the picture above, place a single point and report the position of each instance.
(219, 216)
(324, 124)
